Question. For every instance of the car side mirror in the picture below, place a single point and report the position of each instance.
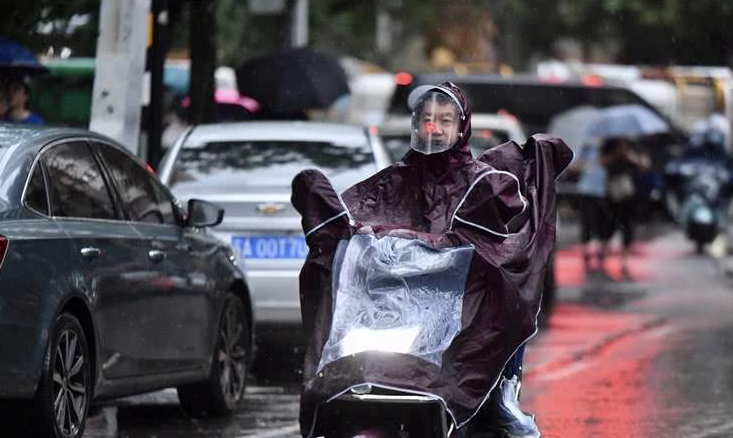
(204, 214)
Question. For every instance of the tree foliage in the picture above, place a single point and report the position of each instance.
(644, 31)
(647, 31)
(52, 24)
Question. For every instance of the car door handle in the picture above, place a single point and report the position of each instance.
(184, 247)
(156, 255)
(90, 253)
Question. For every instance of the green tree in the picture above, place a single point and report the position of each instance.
(647, 31)
(41, 25)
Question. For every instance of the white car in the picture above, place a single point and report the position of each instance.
(488, 130)
(247, 168)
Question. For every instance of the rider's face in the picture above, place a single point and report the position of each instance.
(438, 123)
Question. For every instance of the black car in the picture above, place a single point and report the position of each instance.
(108, 287)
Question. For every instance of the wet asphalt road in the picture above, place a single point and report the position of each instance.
(643, 353)
(671, 378)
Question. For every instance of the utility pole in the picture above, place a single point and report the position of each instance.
(156, 60)
(388, 28)
(202, 41)
(383, 38)
(299, 26)
(117, 95)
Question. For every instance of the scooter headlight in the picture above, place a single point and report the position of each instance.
(397, 340)
(702, 215)
(688, 169)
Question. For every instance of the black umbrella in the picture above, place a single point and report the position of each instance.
(16, 60)
(289, 82)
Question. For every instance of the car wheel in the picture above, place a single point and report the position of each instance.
(224, 389)
(64, 391)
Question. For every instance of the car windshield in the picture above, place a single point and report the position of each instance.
(252, 165)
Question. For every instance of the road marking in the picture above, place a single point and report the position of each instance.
(590, 359)
(713, 432)
(565, 371)
(661, 332)
(265, 390)
(275, 433)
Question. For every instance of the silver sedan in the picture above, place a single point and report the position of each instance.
(247, 168)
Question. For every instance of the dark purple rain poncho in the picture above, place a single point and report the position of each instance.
(503, 204)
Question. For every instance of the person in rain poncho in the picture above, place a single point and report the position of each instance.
(501, 204)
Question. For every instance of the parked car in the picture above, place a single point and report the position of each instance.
(248, 168)
(108, 287)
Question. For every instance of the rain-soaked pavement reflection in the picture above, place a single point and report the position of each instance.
(642, 353)
(270, 409)
(266, 409)
(671, 377)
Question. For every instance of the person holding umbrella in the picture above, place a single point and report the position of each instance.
(622, 164)
(15, 92)
(17, 64)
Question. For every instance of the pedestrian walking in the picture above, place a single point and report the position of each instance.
(622, 163)
(592, 205)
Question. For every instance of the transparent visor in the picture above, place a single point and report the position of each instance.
(436, 123)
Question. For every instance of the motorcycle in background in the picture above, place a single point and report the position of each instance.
(699, 192)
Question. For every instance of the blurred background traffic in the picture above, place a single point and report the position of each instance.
(526, 67)
(227, 99)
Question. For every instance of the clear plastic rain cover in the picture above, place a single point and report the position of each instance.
(396, 294)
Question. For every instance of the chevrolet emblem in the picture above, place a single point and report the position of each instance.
(270, 208)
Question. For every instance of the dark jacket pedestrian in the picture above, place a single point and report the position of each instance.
(622, 164)
(15, 93)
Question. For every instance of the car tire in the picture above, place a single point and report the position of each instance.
(64, 390)
(224, 390)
